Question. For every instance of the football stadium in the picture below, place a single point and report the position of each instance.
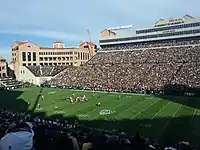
(142, 87)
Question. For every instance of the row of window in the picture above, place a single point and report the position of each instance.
(49, 64)
(28, 56)
(55, 58)
(169, 28)
(2, 60)
(81, 57)
(57, 53)
(2, 75)
(31, 56)
(152, 36)
(14, 54)
(2, 68)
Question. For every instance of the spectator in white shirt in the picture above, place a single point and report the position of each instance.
(19, 137)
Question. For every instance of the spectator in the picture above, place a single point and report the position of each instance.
(18, 137)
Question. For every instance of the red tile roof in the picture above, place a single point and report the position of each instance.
(20, 42)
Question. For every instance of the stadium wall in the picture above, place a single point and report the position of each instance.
(25, 75)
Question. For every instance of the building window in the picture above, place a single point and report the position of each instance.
(3, 68)
(24, 64)
(55, 64)
(29, 64)
(34, 56)
(45, 58)
(41, 64)
(50, 58)
(63, 63)
(29, 56)
(78, 55)
(41, 58)
(23, 56)
(46, 64)
(50, 64)
(34, 64)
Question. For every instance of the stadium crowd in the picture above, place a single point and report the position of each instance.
(136, 70)
(22, 131)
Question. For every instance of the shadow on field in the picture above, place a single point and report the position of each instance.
(9, 100)
(37, 100)
(167, 130)
(182, 94)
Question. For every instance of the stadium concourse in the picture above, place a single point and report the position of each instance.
(164, 69)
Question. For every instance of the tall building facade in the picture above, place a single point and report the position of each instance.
(26, 53)
(3, 67)
(178, 29)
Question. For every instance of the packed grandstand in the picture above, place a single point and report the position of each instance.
(167, 67)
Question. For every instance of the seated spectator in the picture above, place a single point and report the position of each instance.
(19, 137)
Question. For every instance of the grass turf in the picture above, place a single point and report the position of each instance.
(169, 119)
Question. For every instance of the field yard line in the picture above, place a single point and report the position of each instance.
(133, 106)
(161, 109)
(144, 109)
(193, 115)
(172, 118)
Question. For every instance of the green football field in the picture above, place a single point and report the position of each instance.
(169, 119)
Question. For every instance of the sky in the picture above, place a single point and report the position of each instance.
(45, 21)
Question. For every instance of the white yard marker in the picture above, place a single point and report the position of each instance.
(193, 115)
(172, 118)
(161, 109)
(144, 109)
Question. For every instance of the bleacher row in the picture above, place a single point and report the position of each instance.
(42, 71)
(10, 83)
(169, 43)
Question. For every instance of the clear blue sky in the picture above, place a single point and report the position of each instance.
(44, 21)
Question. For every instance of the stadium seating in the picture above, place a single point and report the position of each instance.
(136, 70)
(169, 43)
(10, 83)
(42, 71)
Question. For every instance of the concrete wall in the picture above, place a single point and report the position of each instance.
(26, 75)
